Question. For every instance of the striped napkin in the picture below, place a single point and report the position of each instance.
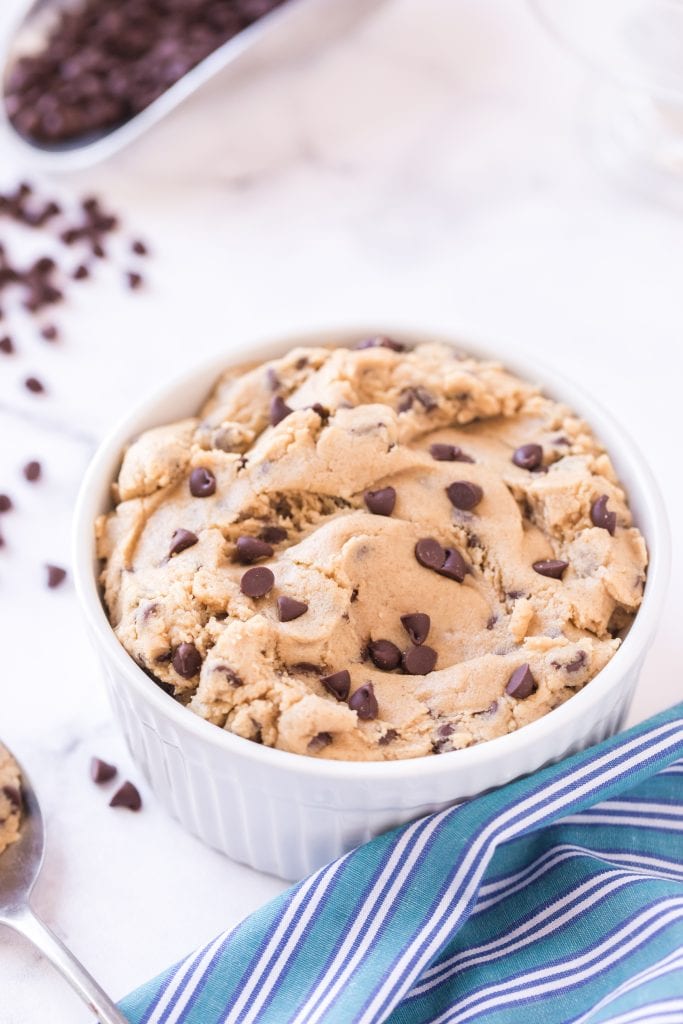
(557, 898)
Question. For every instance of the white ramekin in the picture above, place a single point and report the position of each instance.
(287, 814)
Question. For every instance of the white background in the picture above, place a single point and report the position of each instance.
(429, 167)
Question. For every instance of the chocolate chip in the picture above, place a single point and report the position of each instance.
(202, 482)
(464, 495)
(250, 549)
(528, 456)
(6, 345)
(419, 661)
(416, 626)
(127, 796)
(32, 471)
(55, 576)
(186, 660)
(521, 683)
(274, 382)
(81, 272)
(429, 553)
(13, 794)
(273, 534)
(49, 332)
(319, 742)
(389, 736)
(448, 453)
(552, 567)
(364, 702)
(133, 280)
(454, 567)
(5, 503)
(491, 621)
(382, 502)
(257, 582)
(577, 663)
(384, 654)
(279, 410)
(338, 684)
(381, 342)
(417, 393)
(139, 248)
(288, 609)
(34, 385)
(321, 411)
(601, 517)
(100, 771)
(181, 540)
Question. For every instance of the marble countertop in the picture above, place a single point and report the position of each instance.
(430, 167)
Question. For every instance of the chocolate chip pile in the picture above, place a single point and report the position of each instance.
(371, 553)
(103, 63)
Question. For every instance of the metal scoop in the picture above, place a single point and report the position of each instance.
(295, 28)
(20, 866)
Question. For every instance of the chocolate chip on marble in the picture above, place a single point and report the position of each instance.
(381, 342)
(319, 742)
(250, 549)
(528, 456)
(384, 654)
(133, 279)
(273, 534)
(2, 541)
(139, 248)
(454, 567)
(381, 502)
(429, 553)
(55, 576)
(34, 385)
(419, 661)
(464, 495)
(338, 683)
(6, 345)
(186, 660)
(127, 796)
(601, 517)
(279, 410)
(552, 567)
(521, 683)
(81, 272)
(49, 332)
(181, 540)
(202, 482)
(448, 453)
(364, 702)
(5, 503)
(288, 608)
(257, 582)
(32, 471)
(416, 626)
(100, 771)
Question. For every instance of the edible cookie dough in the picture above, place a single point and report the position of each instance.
(10, 799)
(371, 553)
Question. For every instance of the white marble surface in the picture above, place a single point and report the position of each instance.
(429, 167)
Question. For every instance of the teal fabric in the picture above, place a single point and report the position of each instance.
(557, 899)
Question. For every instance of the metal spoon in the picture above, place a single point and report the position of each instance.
(296, 27)
(20, 866)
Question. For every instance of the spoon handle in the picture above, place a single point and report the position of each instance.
(31, 927)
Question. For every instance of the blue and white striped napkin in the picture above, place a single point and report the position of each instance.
(558, 898)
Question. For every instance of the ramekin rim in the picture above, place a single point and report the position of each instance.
(529, 367)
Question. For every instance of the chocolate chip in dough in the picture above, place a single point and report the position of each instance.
(257, 582)
(127, 796)
(338, 683)
(186, 660)
(528, 456)
(273, 534)
(448, 453)
(381, 342)
(429, 553)
(601, 517)
(454, 567)
(464, 495)
(202, 482)
(181, 540)
(100, 771)
(384, 654)
(419, 661)
(381, 502)
(521, 683)
(319, 742)
(552, 567)
(279, 410)
(416, 626)
(364, 702)
(250, 549)
(289, 609)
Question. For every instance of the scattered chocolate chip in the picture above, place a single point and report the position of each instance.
(364, 702)
(389, 736)
(416, 626)
(454, 567)
(577, 663)
(321, 411)
(34, 385)
(384, 654)
(139, 248)
(552, 567)
(429, 553)
(319, 742)
(55, 576)
(49, 332)
(382, 502)
(601, 517)
(230, 674)
(100, 771)
(381, 342)
(186, 660)
(2, 541)
(528, 456)
(202, 482)
(7, 345)
(448, 453)
(273, 534)
(338, 684)
(81, 272)
(250, 549)
(288, 609)
(419, 661)
(5, 503)
(127, 796)
(181, 540)
(133, 279)
(279, 410)
(521, 683)
(257, 582)
(491, 621)
(464, 495)
(441, 739)
(32, 471)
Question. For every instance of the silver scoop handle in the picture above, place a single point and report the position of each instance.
(31, 927)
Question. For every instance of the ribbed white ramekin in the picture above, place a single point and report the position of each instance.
(288, 814)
